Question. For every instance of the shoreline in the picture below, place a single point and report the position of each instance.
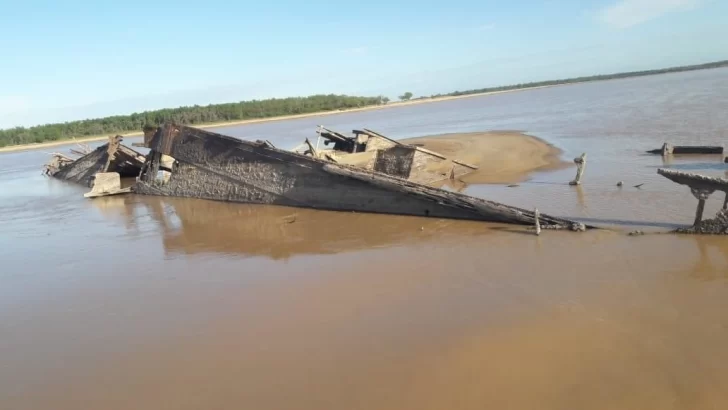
(96, 138)
(424, 100)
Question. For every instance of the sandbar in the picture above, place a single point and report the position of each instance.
(502, 157)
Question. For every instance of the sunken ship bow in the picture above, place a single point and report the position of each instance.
(212, 166)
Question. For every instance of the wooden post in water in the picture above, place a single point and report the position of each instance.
(702, 195)
(536, 214)
(580, 165)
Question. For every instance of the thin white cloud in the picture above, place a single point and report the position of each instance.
(628, 13)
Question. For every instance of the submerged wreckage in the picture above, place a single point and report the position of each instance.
(702, 187)
(190, 162)
(99, 168)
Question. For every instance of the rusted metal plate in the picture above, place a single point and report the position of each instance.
(164, 139)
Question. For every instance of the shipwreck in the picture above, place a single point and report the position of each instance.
(188, 162)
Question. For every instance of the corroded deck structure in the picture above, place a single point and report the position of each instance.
(110, 157)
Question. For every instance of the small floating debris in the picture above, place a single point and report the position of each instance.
(638, 186)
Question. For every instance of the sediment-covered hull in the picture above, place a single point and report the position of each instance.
(217, 167)
(111, 157)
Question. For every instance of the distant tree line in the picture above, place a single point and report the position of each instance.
(194, 115)
(254, 109)
(717, 64)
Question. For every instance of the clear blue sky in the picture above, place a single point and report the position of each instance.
(73, 59)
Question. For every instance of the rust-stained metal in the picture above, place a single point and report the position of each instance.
(218, 167)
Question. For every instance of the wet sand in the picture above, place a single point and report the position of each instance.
(502, 157)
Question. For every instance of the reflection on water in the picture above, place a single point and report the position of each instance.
(163, 303)
(191, 226)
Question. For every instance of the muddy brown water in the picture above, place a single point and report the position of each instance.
(159, 303)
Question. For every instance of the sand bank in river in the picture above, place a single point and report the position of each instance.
(501, 156)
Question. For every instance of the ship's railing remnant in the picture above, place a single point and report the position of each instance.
(82, 149)
(701, 187)
(669, 149)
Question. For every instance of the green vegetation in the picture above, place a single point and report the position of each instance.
(245, 110)
(717, 64)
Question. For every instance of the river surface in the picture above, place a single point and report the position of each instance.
(156, 303)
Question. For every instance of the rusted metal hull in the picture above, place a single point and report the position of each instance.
(217, 167)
